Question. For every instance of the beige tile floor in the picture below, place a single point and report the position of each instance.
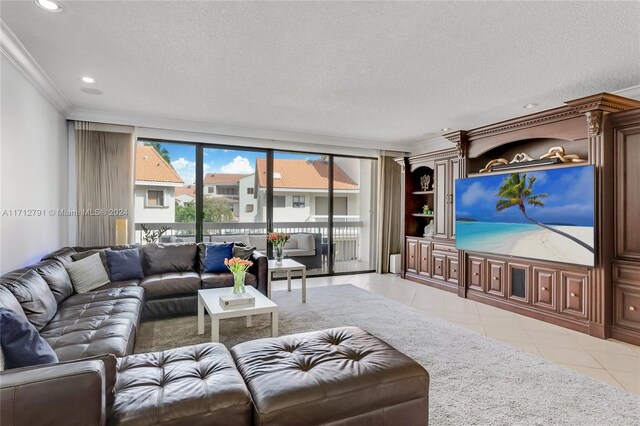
(610, 361)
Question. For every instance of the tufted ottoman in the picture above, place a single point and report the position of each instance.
(194, 385)
(338, 376)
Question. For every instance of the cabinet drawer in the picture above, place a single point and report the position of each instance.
(424, 264)
(544, 288)
(438, 265)
(495, 283)
(452, 269)
(475, 273)
(444, 248)
(573, 293)
(626, 306)
(411, 253)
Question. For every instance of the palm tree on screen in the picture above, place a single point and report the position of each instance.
(517, 190)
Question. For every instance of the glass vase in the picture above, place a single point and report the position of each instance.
(238, 282)
(278, 252)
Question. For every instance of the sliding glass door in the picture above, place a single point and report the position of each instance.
(354, 214)
(187, 192)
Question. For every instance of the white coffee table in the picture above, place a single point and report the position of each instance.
(209, 300)
(288, 266)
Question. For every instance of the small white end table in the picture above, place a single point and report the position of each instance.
(209, 300)
(288, 266)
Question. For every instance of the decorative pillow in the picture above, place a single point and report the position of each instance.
(84, 254)
(306, 242)
(242, 251)
(21, 343)
(87, 274)
(124, 265)
(215, 255)
(166, 258)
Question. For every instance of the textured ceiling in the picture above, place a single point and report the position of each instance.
(383, 71)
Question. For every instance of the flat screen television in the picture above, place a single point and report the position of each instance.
(546, 214)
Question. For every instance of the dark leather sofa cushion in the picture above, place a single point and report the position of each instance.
(165, 258)
(170, 284)
(57, 279)
(33, 293)
(106, 294)
(330, 376)
(119, 284)
(62, 255)
(192, 385)
(95, 327)
(9, 301)
(215, 280)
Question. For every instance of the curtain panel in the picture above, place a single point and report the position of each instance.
(105, 167)
(389, 212)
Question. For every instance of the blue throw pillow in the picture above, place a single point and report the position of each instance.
(215, 255)
(124, 264)
(21, 343)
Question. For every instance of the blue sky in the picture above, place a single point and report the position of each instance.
(570, 199)
(183, 160)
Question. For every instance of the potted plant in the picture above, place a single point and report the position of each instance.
(278, 240)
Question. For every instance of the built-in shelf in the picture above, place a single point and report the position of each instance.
(421, 215)
(422, 192)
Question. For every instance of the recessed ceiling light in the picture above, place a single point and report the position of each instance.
(529, 106)
(88, 80)
(48, 5)
(445, 129)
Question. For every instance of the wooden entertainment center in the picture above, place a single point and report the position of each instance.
(604, 300)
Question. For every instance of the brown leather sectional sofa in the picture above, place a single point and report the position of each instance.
(338, 376)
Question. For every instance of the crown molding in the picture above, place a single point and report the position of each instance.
(14, 50)
(205, 128)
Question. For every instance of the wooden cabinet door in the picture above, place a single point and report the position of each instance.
(441, 199)
(496, 281)
(452, 269)
(518, 286)
(544, 288)
(454, 173)
(627, 167)
(573, 293)
(475, 271)
(411, 255)
(439, 265)
(626, 298)
(424, 264)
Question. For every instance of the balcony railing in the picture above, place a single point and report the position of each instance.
(346, 234)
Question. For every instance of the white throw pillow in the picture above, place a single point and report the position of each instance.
(306, 242)
(292, 243)
(87, 274)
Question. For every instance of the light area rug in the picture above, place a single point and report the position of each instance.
(474, 380)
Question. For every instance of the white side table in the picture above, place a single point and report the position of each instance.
(288, 266)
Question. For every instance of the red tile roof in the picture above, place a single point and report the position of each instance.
(151, 167)
(187, 189)
(304, 174)
(217, 178)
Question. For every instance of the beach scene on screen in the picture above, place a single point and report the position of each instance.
(546, 215)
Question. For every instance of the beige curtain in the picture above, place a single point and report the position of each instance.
(389, 212)
(105, 164)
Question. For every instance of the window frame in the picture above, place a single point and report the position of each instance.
(164, 199)
(298, 204)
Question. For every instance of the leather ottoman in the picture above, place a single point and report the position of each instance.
(194, 385)
(340, 376)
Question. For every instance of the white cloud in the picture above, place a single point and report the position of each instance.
(476, 193)
(186, 169)
(238, 165)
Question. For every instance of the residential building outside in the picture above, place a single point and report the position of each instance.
(225, 186)
(155, 187)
